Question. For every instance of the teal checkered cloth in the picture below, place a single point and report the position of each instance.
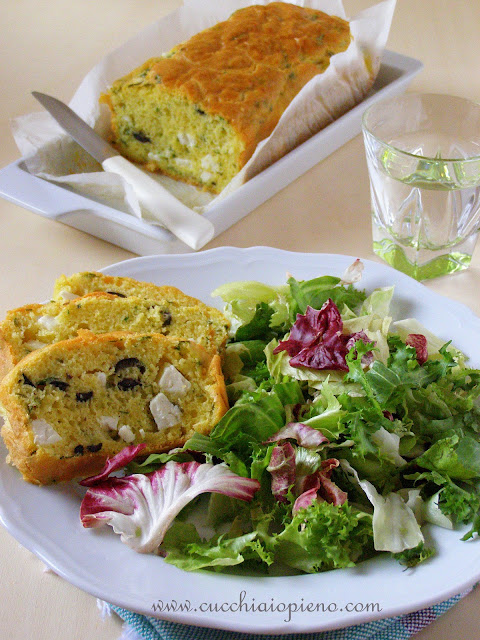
(397, 628)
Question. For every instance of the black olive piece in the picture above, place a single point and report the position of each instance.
(59, 384)
(93, 448)
(26, 380)
(200, 111)
(84, 396)
(128, 383)
(141, 137)
(126, 363)
(78, 451)
(115, 293)
(167, 318)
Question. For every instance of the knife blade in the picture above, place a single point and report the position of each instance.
(187, 225)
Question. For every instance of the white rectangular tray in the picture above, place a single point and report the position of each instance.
(120, 228)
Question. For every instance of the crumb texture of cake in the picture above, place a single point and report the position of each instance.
(198, 112)
(70, 405)
(35, 326)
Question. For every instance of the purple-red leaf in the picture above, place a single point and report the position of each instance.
(141, 507)
(126, 455)
(310, 495)
(367, 358)
(316, 340)
(304, 435)
(319, 486)
(419, 343)
(282, 468)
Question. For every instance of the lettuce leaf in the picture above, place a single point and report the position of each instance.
(322, 537)
(252, 420)
(259, 326)
(314, 293)
(413, 557)
(395, 527)
(457, 457)
(243, 298)
(186, 550)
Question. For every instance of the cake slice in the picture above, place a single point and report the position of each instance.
(83, 282)
(198, 112)
(69, 406)
(35, 326)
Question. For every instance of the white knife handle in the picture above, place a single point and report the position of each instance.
(188, 226)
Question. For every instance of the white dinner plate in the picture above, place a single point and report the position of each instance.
(46, 519)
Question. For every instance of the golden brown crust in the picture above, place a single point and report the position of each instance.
(7, 355)
(219, 390)
(250, 67)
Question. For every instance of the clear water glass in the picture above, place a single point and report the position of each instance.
(423, 157)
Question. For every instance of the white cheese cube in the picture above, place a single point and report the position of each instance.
(47, 322)
(173, 383)
(35, 344)
(165, 413)
(126, 433)
(44, 433)
(183, 162)
(208, 162)
(102, 378)
(205, 176)
(67, 295)
(186, 139)
(109, 422)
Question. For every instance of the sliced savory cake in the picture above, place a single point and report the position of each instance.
(70, 405)
(35, 326)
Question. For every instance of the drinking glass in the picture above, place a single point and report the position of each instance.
(423, 158)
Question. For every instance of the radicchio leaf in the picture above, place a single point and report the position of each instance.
(319, 486)
(419, 343)
(120, 460)
(367, 358)
(308, 328)
(304, 435)
(282, 468)
(316, 340)
(141, 507)
(311, 485)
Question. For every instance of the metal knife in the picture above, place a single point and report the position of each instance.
(187, 225)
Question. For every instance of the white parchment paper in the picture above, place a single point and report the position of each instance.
(51, 154)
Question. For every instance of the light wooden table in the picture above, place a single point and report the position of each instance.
(49, 46)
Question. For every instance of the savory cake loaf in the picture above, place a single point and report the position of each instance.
(36, 325)
(69, 406)
(198, 112)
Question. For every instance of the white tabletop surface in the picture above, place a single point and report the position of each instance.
(50, 46)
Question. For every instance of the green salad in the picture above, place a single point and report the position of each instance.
(347, 432)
